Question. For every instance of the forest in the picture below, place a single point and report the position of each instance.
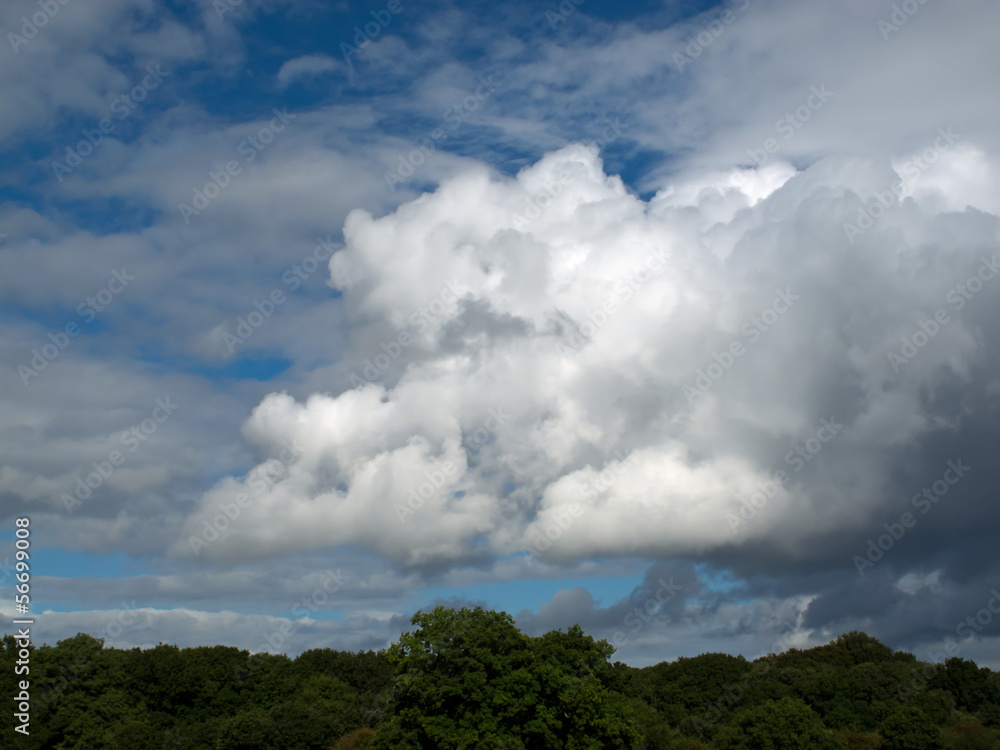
(468, 678)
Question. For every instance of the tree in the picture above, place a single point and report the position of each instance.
(250, 730)
(786, 724)
(471, 679)
(573, 673)
(360, 739)
(322, 709)
(971, 686)
(696, 691)
(909, 729)
(857, 648)
(135, 735)
(850, 739)
(448, 675)
(972, 736)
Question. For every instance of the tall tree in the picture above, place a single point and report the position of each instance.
(470, 679)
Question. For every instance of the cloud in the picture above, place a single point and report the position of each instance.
(66, 64)
(753, 349)
(674, 612)
(130, 626)
(305, 67)
(703, 353)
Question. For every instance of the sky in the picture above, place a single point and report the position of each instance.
(674, 320)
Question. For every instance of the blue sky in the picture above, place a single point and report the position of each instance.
(517, 304)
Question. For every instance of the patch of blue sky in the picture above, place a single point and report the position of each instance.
(102, 216)
(260, 368)
(721, 581)
(59, 562)
(514, 596)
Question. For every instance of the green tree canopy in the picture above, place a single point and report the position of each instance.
(471, 679)
(786, 724)
(909, 729)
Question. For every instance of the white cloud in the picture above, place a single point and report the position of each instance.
(704, 256)
(589, 325)
(305, 67)
(144, 627)
(913, 583)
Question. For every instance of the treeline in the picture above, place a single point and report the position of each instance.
(470, 679)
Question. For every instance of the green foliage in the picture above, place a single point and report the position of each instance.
(971, 735)
(322, 707)
(705, 686)
(470, 679)
(909, 729)
(134, 735)
(975, 689)
(787, 724)
(937, 705)
(851, 739)
(854, 648)
(248, 730)
(360, 739)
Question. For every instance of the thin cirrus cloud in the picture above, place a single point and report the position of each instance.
(307, 66)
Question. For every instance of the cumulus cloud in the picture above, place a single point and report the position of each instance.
(753, 349)
(700, 354)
